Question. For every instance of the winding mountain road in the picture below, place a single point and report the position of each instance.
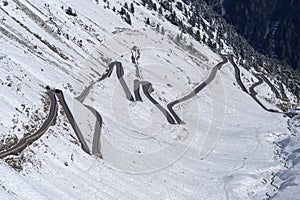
(170, 114)
(72, 121)
(283, 94)
(206, 82)
(24, 142)
(120, 74)
(267, 81)
(107, 74)
(261, 78)
(253, 94)
(147, 89)
(237, 73)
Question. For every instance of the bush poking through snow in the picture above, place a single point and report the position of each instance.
(5, 3)
(8, 141)
(70, 11)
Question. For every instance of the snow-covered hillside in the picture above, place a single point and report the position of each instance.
(227, 147)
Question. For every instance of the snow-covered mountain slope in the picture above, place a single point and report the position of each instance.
(226, 149)
(288, 152)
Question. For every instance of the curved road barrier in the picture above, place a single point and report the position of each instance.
(24, 142)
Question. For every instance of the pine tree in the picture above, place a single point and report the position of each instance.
(144, 2)
(157, 28)
(190, 30)
(148, 21)
(204, 39)
(160, 11)
(163, 30)
(128, 19)
(185, 13)
(198, 37)
(126, 6)
(132, 8)
(179, 6)
(122, 11)
(177, 38)
(154, 7)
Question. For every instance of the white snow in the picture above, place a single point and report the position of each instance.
(224, 150)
